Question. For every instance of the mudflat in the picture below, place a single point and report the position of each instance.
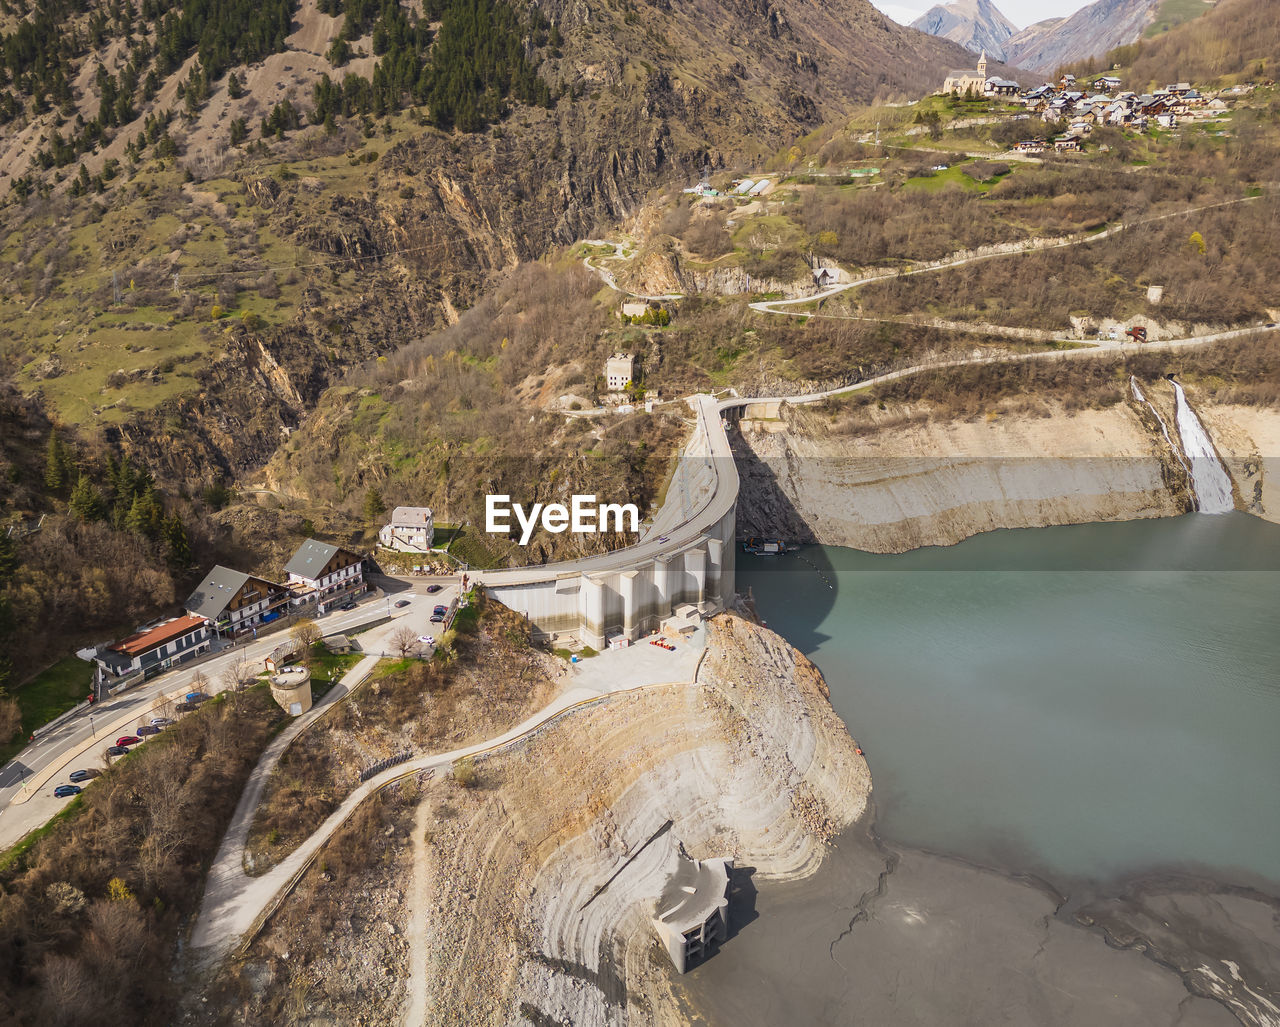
(892, 935)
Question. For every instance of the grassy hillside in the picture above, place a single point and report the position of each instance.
(1174, 12)
(1235, 40)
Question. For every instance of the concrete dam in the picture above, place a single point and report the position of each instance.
(685, 558)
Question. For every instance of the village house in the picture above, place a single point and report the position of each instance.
(234, 601)
(410, 530)
(319, 570)
(967, 81)
(619, 372)
(1001, 87)
(153, 650)
(1067, 144)
(1106, 84)
(1030, 146)
(634, 308)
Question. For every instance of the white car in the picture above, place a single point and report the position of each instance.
(426, 640)
(160, 722)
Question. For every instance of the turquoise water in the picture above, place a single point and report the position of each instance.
(1082, 702)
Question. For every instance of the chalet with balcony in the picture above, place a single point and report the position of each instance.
(235, 601)
(319, 571)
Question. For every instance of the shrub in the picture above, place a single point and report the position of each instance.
(464, 772)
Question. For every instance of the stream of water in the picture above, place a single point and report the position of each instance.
(1212, 483)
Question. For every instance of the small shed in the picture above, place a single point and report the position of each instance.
(337, 644)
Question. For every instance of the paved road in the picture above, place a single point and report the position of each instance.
(703, 490)
(234, 903)
(17, 819)
(970, 257)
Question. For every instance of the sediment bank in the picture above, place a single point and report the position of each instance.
(907, 480)
(528, 917)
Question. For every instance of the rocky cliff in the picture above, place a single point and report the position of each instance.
(976, 25)
(911, 481)
(1090, 32)
(546, 875)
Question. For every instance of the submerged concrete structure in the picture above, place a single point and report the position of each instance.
(693, 911)
(685, 557)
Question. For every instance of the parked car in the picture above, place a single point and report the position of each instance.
(146, 729)
(185, 707)
(117, 750)
(160, 721)
(350, 604)
(433, 589)
(195, 697)
(402, 604)
(64, 791)
(438, 614)
(83, 775)
(426, 640)
(128, 740)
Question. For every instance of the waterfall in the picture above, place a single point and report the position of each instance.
(1212, 483)
(1137, 394)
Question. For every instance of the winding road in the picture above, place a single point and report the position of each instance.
(236, 905)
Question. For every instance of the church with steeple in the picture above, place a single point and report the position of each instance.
(968, 80)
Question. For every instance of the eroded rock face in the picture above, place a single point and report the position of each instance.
(918, 482)
(750, 762)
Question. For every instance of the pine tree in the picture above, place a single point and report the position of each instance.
(177, 544)
(53, 477)
(137, 519)
(86, 500)
(8, 559)
(373, 504)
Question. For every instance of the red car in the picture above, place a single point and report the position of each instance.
(128, 740)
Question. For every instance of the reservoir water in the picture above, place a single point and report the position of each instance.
(1083, 702)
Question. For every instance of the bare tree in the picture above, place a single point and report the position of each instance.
(238, 674)
(71, 994)
(168, 826)
(404, 639)
(304, 635)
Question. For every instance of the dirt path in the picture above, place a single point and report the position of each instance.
(963, 257)
(606, 276)
(235, 905)
(417, 930)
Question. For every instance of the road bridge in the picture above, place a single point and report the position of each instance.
(685, 556)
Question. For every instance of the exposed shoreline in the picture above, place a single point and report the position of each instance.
(909, 481)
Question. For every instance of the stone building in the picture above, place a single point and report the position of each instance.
(968, 80)
(619, 371)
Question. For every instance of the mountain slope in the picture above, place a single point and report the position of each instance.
(976, 25)
(1236, 37)
(1090, 32)
(197, 259)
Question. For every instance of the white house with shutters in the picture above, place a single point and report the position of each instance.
(410, 530)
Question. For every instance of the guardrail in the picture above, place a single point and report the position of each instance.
(387, 764)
